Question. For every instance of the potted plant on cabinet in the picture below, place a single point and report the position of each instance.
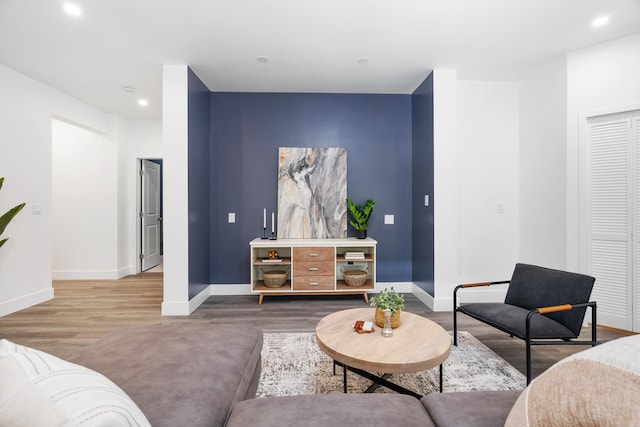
(8, 216)
(388, 298)
(360, 215)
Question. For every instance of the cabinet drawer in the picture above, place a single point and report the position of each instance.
(314, 269)
(312, 283)
(313, 254)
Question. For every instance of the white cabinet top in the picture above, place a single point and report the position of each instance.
(347, 241)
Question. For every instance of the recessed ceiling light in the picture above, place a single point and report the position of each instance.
(363, 61)
(143, 102)
(262, 59)
(600, 21)
(72, 9)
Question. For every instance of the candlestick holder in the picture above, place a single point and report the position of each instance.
(264, 233)
(273, 236)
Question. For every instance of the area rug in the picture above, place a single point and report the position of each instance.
(292, 364)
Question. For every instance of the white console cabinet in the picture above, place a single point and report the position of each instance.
(313, 266)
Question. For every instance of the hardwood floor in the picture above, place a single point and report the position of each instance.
(83, 311)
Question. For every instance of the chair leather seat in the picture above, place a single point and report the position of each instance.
(512, 319)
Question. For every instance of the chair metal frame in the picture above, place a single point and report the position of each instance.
(540, 310)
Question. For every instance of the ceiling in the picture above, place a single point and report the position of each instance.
(310, 45)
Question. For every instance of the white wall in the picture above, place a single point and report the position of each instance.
(85, 204)
(602, 78)
(175, 188)
(142, 140)
(488, 136)
(445, 186)
(476, 169)
(26, 110)
(543, 166)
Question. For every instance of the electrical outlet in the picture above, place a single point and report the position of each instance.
(232, 218)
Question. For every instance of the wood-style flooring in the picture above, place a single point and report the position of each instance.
(83, 311)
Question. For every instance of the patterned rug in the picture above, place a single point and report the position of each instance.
(292, 364)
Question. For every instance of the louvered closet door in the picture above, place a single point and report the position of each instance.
(613, 197)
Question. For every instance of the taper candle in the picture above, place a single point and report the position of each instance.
(264, 218)
(273, 222)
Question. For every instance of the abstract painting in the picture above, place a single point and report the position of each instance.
(312, 188)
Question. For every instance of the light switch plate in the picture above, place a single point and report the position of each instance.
(232, 218)
(426, 200)
(388, 219)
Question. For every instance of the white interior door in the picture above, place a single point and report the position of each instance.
(150, 215)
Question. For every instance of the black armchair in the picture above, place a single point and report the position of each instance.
(542, 307)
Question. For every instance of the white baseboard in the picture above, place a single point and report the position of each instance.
(423, 296)
(197, 301)
(400, 287)
(175, 308)
(230, 289)
(17, 304)
(89, 274)
(242, 289)
(435, 304)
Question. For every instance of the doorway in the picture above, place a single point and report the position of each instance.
(150, 215)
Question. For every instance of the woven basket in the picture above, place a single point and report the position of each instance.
(354, 277)
(395, 319)
(274, 278)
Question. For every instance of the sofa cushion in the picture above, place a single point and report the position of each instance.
(331, 410)
(38, 389)
(181, 374)
(596, 387)
(470, 409)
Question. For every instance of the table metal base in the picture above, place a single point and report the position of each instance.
(377, 380)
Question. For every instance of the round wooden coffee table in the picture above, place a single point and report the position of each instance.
(417, 344)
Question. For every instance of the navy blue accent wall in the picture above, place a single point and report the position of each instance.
(199, 192)
(422, 180)
(248, 128)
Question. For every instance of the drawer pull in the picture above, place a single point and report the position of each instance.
(313, 254)
(313, 283)
(313, 269)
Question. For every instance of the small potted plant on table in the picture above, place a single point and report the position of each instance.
(360, 216)
(388, 298)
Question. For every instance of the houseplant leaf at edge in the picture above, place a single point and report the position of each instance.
(8, 216)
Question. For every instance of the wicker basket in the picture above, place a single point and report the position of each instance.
(354, 277)
(274, 278)
(395, 318)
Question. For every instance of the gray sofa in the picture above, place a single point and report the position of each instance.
(198, 374)
(188, 374)
(180, 374)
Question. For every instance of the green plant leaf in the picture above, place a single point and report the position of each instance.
(3, 241)
(8, 216)
(388, 299)
(360, 213)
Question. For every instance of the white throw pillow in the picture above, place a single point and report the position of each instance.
(38, 389)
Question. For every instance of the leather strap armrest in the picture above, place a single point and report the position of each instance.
(555, 308)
